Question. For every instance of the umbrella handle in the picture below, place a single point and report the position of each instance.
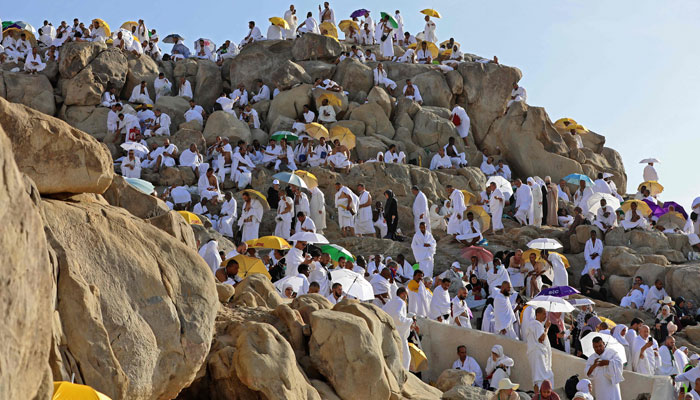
(353, 282)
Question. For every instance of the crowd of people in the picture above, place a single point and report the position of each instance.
(491, 292)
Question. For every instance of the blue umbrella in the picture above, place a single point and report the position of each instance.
(575, 178)
(141, 185)
(559, 291)
(358, 13)
(292, 179)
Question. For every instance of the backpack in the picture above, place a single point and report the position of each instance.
(570, 387)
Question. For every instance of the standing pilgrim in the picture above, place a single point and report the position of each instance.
(421, 213)
(496, 204)
(424, 246)
(429, 34)
(604, 368)
(539, 351)
(396, 308)
(504, 317)
(523, 202)
(458, 208)
(251, 216)
(364, 223)
(317, 206)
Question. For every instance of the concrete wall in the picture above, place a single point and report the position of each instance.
(440, 343)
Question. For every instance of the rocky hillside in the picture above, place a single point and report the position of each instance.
(524, 137)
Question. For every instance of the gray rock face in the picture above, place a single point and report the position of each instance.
(311, 46)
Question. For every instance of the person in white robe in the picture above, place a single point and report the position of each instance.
(386, 46)
(326, 113)
(263, 92)
(326, 14)
(667, 366)
(469, 231)
(364, 224)
(304, 223)
(194, 113)
(131, 166)
(469, 364)
(539, 351)
(536, 214)
(644, 353)
(634, 298)
(33, 62)
(440, 160)
(496, 203)
(254, 34)
(424, 247)
(412, 92)
(274, 32)
(634, 219)
(380, 78)
(692, 230)
(381, 285)
(605, 219)
(347, 208)
(654, 295)
(160, 126)
(226, 104)
(317, 207)
(242, 167)
(309, 25)
(210, 253)
(487, 166)
(504, 317)
(185, 89)
(429, 32)
(523, 202)
(517, 94)
(496, 274)
(604, 368)
(461, 120)
(458, 207)
(421, 213)
(228, 215)
(461, 314)
(561, 278)
(285, 214)
(418, 295)
(398, 33)
(250, 117)
(440, 304)
(251, 216)
(409, 57)
(498, 366)
(650, 173)
(295, 257)
(503, 170)
(581, 196)
(593, 251)
(396, 308)
(292, 20)
(239, 96)
(140, 94)
(47, 34)
(109, 98)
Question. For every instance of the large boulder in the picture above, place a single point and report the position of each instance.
(132, 297)
(289, 104)
(355, 77)
(360, 361)
(221, 123)
(175, 225)
(318, 69)
(258, 60)
(311, 46)
(175, 107)
(58, 157)
(431, 131)
(376, 121)
(77, 55)
(121, 194)
(257, 291)
(450, 378)
(27, 290)
(34, 91)
(209, 84)
(382, 98)
(434, 89)
(368, 147)
(108, 68)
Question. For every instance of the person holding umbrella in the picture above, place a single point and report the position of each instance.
(386, 40)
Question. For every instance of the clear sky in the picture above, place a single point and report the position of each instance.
(627, 69)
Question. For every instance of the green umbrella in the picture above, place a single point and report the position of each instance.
(335, 252)
(6, 24)
(392, 21)
(284, 135)
(415, 266)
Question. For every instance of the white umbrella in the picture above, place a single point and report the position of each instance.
(551, 304)
(610, 342)
(207, 43)
(308, 237)
(544, 244)
(649, 160)
(501, 183)
(353, 283)
(581, 302)
(594, 202)
(296, 282)
(135, 146)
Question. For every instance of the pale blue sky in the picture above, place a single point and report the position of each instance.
(627, 69)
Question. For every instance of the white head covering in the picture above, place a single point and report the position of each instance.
(617, 334)
(380, 285)
(582, 385)
(456, 265)
(498, 350)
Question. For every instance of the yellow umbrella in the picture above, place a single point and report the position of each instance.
(308, 178)
(431, 12)
(330, 29)
(316, 130)
(345, 25)
(481, 215)
(129, 24)
(446, 42)
(672, 219)
(468, 197)
(641, 207)
(578, 127)
(564, 123)
(191, 218)
(333, 100)
(16, 32)
(434, 51)
(73, 391)
(104, 26)
(344, 136)
(447, 52)
(653, 186)
(526, 255)
(269, 242)
(419, 361)
(281, 22)
(260, 196)
(608, 321)
(249, 265)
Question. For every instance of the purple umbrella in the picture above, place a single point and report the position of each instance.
(358, 13)
(655, 209)
(559, 291)
(677, 207)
